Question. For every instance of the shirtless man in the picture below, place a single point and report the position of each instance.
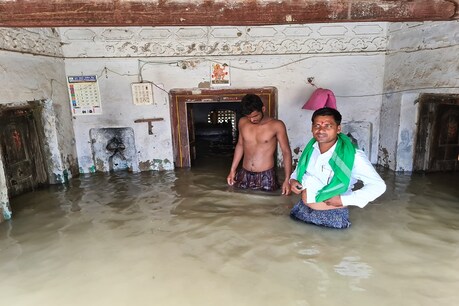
(258, 138)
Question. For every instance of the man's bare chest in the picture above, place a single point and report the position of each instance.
(259, 135)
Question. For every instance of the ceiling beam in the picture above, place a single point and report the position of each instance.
(78, 13)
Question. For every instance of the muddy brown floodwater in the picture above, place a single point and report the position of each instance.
(184, 238)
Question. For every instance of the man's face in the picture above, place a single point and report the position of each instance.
(324, 129)
(255, 117)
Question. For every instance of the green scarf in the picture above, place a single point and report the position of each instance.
(341, 163)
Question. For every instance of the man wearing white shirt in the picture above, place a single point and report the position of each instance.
(329, 167)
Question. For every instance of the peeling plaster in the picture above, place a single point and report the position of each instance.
(384, 157)
(6, 211)
(404, 149)
(100, 164)
(62, 178)
(190, 64)
(156, 164)
(145, 166)
(160, 164)
(204, 84)
(53, 156)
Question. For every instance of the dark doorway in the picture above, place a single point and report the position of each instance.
(213, 131)
(437, 145)
(182, 114)
(21, 150)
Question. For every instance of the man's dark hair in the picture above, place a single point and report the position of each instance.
(327, 111)
(251, 103)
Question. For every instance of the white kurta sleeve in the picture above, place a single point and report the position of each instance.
(373, 185)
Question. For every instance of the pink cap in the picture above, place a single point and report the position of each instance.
(321, 98)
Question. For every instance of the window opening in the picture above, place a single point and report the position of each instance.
(223, 116)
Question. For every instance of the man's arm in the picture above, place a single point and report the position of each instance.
(295, 185)
(287, 157)
(373, 185)
(238, 153)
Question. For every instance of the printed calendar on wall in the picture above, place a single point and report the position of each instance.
(84, 95)
(142, 93)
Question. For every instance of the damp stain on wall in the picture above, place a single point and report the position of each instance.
(145, 166)
(62, 178)
(72, 165)
(99, 164)
(295, 159)
(384, 157)
(91, 169)
(6, 210)
(296, 150)
(204, 85)
(156, 164)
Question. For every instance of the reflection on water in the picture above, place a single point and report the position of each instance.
(185, 238)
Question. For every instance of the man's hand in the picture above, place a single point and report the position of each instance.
(230, 178)
(286, 187)
(295, 186)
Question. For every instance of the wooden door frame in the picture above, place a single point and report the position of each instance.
(178, 107)
(33, 146)
(427, 131)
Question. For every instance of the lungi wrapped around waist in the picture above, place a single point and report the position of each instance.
(335, 218)
(265, 180)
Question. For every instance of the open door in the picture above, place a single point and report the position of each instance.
(437, 145)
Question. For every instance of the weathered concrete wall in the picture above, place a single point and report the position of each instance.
(346, 58)
(32, 69)
(422, 58)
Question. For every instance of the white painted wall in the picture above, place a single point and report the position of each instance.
(31, 78)
(154, 152)
(422, 58)
(346, 58)
(32, 68)
(350, 59)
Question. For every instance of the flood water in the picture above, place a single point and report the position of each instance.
(184, 238)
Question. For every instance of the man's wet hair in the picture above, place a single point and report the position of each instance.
(327, 111)
(251, 103)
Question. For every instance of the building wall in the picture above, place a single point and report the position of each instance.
(422, 58)
(375, 73)
(32, 69)
(346, 58)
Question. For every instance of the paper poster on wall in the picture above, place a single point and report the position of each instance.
(142, 93)
(84, 95)
(220, 74)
